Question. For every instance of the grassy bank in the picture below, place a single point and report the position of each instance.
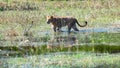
(65, 60)
(13, 51)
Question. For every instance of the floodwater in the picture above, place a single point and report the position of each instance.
(84, 36)
(56, 42)
(89, 37)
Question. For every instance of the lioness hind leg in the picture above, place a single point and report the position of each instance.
(75, 28)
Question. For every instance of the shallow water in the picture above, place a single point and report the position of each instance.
(98, 30)
(85, 37)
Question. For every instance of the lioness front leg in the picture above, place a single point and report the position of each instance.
(54, 28)
(59, 29)
(69, 29)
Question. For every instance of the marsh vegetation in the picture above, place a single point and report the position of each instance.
(27, 41)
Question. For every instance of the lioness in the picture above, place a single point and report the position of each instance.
(59, 22)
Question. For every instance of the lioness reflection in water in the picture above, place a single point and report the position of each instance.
(61, 40)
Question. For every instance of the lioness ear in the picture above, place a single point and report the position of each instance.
(51, 17)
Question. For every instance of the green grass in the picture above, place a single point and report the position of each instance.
(82, 10)
(98, 13)
(58, 60)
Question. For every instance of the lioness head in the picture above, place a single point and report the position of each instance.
(49, 19)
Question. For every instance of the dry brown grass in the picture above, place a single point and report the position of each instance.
(11, 33)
